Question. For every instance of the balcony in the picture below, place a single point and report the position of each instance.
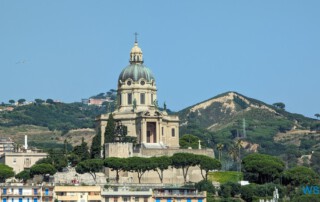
(67, 198)
(179, 194)
(44, 193)
(94, 197)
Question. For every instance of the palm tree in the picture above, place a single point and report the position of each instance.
(317, 115)
(233, 153)
(220, 147)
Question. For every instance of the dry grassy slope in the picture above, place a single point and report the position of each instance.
(295, 136)
(42, 134)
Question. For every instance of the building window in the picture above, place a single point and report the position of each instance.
(142, 98)
(115, 199)
(162, 131)
(129, 98)
(12, 199)
(20, 199)
(173, 132)
(35, 191)
(106, 199)
(20, 191)
(125, 199)
(4, 191)
(46, 192)
(136, 199)
(14, 160)
(35, 200)
(152, 99)
(4, 200)
(145, 199)
(27, 162)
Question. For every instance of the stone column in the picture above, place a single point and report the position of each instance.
(143, 130)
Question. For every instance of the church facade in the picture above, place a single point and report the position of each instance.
(138, 109)
(156, 132)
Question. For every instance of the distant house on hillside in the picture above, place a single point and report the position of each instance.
(6, 145)
(96, 101)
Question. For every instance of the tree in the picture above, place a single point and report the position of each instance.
(205, 185)
(39, 101)
(95, 150)
(116, 164)
(187, 141)
(207, 163)
(279, 105)
(161, 164)
(261, 168)
(109, 135)
(23, 175)
(300, 175)
(91, 166)
(317, 115)
(315, 162)
(42, 169)
(11, 102)
(50, 101)
(56, 158)
(21, 101)
(139, 165)
(82, 151)
(220, 147)
(184, 161)
(5, 172)
(233, 153)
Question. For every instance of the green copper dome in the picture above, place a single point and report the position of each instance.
(136, 71)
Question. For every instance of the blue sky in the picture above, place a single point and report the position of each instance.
(68, 50)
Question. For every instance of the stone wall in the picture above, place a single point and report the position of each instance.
(171, 175)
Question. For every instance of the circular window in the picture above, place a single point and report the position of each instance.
(142, 83)
(129, 83)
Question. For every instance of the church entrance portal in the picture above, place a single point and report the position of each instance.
(151, 132)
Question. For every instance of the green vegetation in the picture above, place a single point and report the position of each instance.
(187, 141)
(225, 176)
(5, 172)
(23, 175)
(91, 166)
(42, 169)
(261, 168)
(56, 116)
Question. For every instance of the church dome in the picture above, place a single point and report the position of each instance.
(136, 71)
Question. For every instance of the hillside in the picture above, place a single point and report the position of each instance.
(48, 125)
(225, 117)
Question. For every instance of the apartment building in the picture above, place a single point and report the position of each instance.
(26, 193)
(78, 193)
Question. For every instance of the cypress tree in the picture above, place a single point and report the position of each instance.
(95, 150)
(109, 135)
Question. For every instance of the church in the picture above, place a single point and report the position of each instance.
(156, 132)
(138, 108)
